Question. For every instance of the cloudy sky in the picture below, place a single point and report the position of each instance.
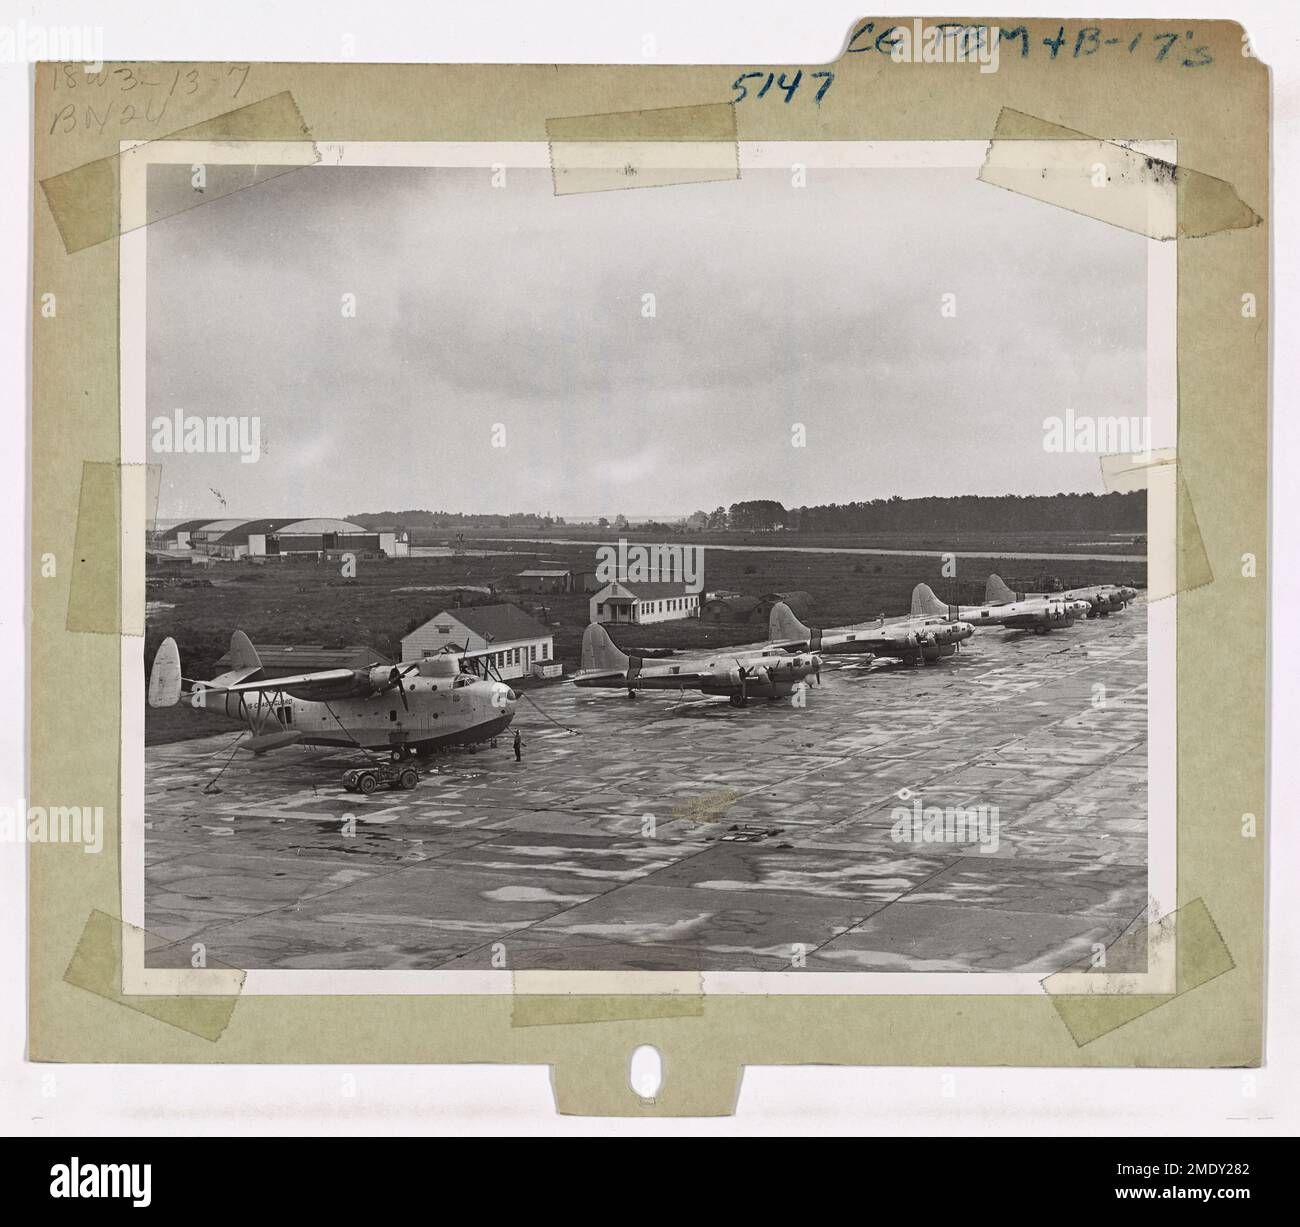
(774, 305)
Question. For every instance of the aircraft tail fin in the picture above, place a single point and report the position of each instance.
(783, 626)
(599, 652)
(925, 602)
(996, 592)
(243, 655)
(165, 676)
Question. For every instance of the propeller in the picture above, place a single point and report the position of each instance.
(395, 679)
(742, 674)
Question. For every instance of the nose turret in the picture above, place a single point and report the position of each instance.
(955, 632)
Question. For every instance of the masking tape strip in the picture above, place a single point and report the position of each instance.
(87, 204)
(1176, 557)
(1199, 955)
(114, 510)
(653, 148)
(96, 966)
(1108, 181)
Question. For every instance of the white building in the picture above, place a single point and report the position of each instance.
(643, 603)
(519, 645)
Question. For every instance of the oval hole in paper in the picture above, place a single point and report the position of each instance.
(646, 1072)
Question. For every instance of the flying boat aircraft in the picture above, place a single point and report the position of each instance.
(409, 709)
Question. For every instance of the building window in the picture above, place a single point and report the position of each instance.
(443, 629)
(545, 650)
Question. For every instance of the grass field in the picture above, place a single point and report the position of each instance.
(310, 602)
(1029, 541)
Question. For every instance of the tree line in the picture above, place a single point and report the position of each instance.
(1102, 513)
(1042, 512)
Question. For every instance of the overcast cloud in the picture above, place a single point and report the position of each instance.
(775, 305)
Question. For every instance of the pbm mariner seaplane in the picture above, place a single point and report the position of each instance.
(912, 639)
(749, 673)
(1037, 614)
(410, 709)
(1101, 598)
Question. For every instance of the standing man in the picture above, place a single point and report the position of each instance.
(519, 747)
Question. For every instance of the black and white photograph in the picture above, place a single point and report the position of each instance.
(719, 579)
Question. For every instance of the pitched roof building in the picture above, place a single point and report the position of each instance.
(643, 603)
(518, 644)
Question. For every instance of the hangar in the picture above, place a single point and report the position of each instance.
(280, 537)
(801, 603)
(178, 536)
(731, 607)
(206, 533)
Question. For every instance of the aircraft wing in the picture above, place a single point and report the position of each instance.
(643, 679)
(671, 680)
(321, 680)
(867, 634)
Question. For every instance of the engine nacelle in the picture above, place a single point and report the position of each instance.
(380, 677)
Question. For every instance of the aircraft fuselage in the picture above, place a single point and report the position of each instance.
(438, 712)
